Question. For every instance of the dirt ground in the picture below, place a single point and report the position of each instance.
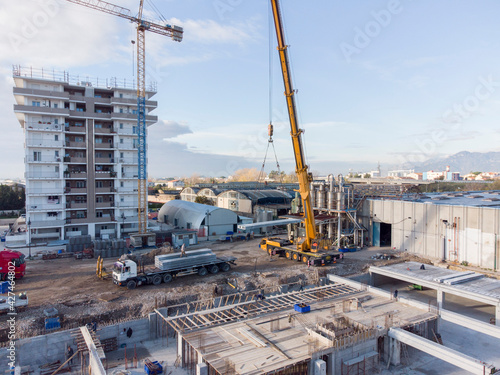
(71, 286)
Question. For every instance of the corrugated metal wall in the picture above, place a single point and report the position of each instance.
(450, 232)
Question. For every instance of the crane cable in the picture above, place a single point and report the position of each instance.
(270, 126)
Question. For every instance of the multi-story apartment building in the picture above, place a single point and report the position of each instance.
(81, 160)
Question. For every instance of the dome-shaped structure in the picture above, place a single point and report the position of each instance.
(200, 217)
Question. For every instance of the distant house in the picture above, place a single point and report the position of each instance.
(175, 184)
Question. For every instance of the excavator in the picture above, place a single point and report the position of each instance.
(307, 249)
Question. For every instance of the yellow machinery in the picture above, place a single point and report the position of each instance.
(307, 250)
(101, 271)
(176, 33)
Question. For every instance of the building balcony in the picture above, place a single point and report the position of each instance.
(102, 101)
(107, 175)
(127, 132)
(77, 98)
(75, 190)
(93, 115)
(104, 160)
(132, 102)
(44, 191)
(127, 205)
(130, 176)
(77, 220)
(46, 223)
(76, 175)
(70, 144)
(44, 143)
(132, 116)
(74, 129)
(76, 205)
(75, 160)
(42, 175)
(43, 160)
(104, 204)
(41, 93)
(133, 161)
(41, 110)
(128, 190)
(106, 189)
(103, 130)
(45, 207)
(104, 219)
(42, 126)
(103, 145)
(127, 146)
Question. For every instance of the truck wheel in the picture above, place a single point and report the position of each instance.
(296, 256)
(131, 284)
(288, 255)
(214, 269)
(305, 259)
(167, 278)
(224, 267)
(270, 250)
(202, 271)
(156, 280)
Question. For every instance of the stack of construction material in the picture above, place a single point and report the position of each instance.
(191, 258)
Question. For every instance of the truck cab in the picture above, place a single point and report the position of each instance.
(123, 271)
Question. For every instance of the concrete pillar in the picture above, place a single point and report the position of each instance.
(331, 364)
(396, 352)
(201, 369)
(180, 353)
(440, 299)
(497, 315)
(153, 322)
(372, 279)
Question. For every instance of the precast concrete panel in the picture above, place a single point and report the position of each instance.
(472, 238)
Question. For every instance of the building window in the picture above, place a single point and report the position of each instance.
(74, 229)
(121, 125)
(56, 153)
(121, 183)
(56, 121)
(79, 139)
(98, 214)
(52, 214)
(99, 184)
(121, 95)
(80, 184)
(37, 156)
(80, 214)
(121, 140)
(35, 104)
(56, 137)
(99, 199)
(55, 105)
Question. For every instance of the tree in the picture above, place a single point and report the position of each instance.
(203, 200)
(246, 174)
(12, 197)
(367, 175)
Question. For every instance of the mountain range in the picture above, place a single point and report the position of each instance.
(463, 162)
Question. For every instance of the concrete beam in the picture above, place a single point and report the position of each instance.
(474, 324)
(95, 355)
(436, 286)
(454, 357)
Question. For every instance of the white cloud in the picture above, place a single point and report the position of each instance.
(212, 32)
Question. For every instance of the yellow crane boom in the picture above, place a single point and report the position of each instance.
(301, 168)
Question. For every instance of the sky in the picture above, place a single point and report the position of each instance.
(390, 82)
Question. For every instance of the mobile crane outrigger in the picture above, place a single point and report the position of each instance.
(303, 250)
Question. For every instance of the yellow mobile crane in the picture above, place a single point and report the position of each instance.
(306, 250)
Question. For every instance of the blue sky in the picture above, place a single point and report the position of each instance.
(380, 81)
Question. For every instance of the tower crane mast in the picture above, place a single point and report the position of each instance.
(174, 32)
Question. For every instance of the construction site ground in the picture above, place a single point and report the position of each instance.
(73, 289)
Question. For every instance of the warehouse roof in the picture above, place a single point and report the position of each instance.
(465, 198)
(265, 196)
(194, 213)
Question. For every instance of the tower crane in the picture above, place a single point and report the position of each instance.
(174, 32)
(307, 250)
